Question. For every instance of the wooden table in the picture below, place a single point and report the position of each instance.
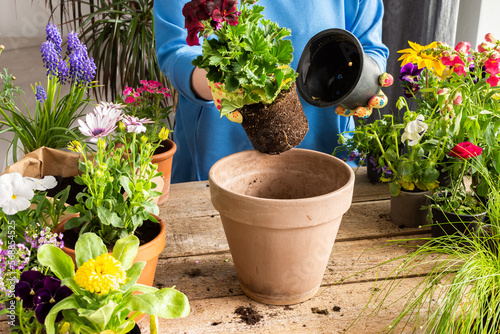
(197, 261)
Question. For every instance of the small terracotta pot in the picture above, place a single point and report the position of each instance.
(148, 253)
(164, 162)
(281, 214)
(409, 208)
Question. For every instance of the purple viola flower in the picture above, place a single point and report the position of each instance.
(29, 283)
(40, 94)
(50, 57)
(410, 73)
(54, 36)
(50, 294)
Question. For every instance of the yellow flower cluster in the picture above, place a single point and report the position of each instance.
(101, 275)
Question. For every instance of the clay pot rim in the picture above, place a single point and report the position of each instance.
(144, 248)
(296, 201)
(167, 154)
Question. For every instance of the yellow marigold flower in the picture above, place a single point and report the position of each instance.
(75, 146)
(101, 275)
(164, 133)
(418, 54)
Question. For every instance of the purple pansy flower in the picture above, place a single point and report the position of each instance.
(29, 282)
(50, 294)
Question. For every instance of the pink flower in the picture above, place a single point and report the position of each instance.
(442, 91)
(484, 47)
(134, 124)
(130, 99)
(463, 47)
(492, 66)
(127, 91)
(490, 38)
(457, 99)
(493, 80)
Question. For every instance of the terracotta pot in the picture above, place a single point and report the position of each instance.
(408, 208)
(281, 214)
(164, 162)
(148, 253)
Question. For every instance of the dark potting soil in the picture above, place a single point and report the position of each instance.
(278, 127)
(146, 233)
(248, 315)
(63, 183)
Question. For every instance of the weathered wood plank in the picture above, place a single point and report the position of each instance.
(332, 310)
(189, 235)
(214, 275)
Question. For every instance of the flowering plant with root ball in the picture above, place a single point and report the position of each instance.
(103, 287)
(249, 56)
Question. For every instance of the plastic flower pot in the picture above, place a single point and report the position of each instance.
(410, 209)
(448, 223)
(164, 159)
(281, 214)
(334, 71)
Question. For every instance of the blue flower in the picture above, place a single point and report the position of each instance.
(50, 57)
(40, 94)
(54, 36)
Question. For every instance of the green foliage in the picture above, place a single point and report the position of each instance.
(252, 55)
(93, 313)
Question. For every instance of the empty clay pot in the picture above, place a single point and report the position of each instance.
(281, 214)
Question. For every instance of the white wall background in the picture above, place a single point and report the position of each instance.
(476, 18)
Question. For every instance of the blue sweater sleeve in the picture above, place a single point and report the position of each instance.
(174, 55)
(366, 25)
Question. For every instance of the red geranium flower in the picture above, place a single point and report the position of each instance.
(195, 11)
(465, 150)
(223, 10)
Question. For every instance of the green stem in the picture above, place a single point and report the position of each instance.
(460, 181)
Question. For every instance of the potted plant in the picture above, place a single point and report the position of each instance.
(103, 287)
(459, 291)
(120, 183)
(248, 70)
(456, 206)
(369, 142)
(55, 112)
(145, 103)
(26, 221)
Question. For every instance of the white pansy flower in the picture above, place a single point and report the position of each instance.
(15, 193)
(414, 130)
(48, 182)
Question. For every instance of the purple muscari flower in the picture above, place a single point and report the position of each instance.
(50, 57)
(54, 36)
(62, 72)
(40, 94)
(29, 283)
(73, 42)
(46, 297)
(81, 67)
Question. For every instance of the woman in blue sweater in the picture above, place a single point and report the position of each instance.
(201, 135)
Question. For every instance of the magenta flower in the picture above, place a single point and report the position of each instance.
(223, 11)
(194, 13)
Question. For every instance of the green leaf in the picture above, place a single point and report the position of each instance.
(283, 51)
(59, 262)
(102, 316)
(65, 304)
(133, 274)
(89, 246)
(146, 303)
(125, 250)
(173, 304)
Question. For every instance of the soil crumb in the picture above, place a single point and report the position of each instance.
(248, 315)
(318, 311)
(336, 309)
(194, 272)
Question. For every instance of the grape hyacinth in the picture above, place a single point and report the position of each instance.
(81, 70)
(54, 36)
(40, 94)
